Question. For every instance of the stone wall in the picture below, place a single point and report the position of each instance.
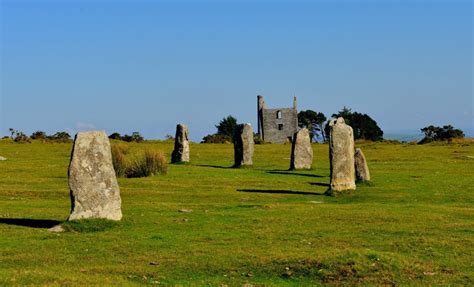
(277, 125)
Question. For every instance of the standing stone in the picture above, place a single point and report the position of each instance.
(243, 145)
(301, 150)
(341, 156)
(94, 189)
(181, 145)
(361, 168)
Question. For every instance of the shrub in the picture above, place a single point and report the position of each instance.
(21, 138)
(216, 138)
(38, 135)
(447, 132)
(118, 159)
(61, 137)
(135, 137)
(18, 136)
(152, 163)
(257, 139)
(115, 136)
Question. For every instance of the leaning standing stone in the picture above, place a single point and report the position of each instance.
(94, 189)
(301, 150)
(243, 145)
(341, 156)
(181, 145)
(361, 168)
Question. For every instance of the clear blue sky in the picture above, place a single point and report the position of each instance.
(148, 65)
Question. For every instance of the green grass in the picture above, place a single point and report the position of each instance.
(413, 224)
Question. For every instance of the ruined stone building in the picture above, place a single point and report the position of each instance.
(276, 125)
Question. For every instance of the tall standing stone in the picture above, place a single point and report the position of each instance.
(94, 189)
(181, 145)
(243, 145)
(361, 168)
(301, 150)
(341, 156)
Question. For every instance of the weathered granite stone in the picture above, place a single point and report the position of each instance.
(301, 150)
(341, 156)
(181, 145)
(361, 168)
(94, 189)
(243, 145)
(57, 229)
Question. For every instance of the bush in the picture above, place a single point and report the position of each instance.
(135, 137)
(216, 138)
(38, 135)
(18, 136)
(433, 133)
(21, 138)
(257, 139)
(62, 137)
(115, 136)
(152, 163)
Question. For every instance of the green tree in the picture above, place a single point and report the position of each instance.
(434, 133)
(227, 126)
(61, 136)
(135, 137)
(363, 125)
(38, 135)
(314, 122)
(115, 136)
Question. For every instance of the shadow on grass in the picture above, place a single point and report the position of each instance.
(34, 223)
(277, 191)
(320, 184)
(214, 166)
(293, 173)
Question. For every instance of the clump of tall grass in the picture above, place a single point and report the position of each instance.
(118, 159)
(151, 162)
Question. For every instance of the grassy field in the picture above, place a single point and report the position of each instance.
(265, 225)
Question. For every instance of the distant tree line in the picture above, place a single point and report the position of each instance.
(20, 137)
(434, 133)
(316, 122)
(134, 137)
(364, 127)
